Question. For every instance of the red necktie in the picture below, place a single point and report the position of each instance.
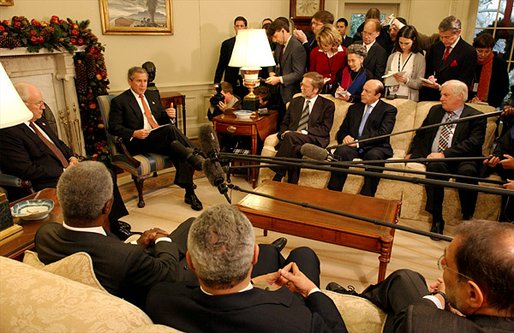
(57, 152)
(148, 114)
(447, 53)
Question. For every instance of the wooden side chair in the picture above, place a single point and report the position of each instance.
(141, 166)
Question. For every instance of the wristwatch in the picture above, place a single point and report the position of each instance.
(446, 300)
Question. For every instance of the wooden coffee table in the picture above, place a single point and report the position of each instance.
(271, 214)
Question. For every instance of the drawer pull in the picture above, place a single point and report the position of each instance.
(231, 129)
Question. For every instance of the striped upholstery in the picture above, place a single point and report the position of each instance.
(149, 164)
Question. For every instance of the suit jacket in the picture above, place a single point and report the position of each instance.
(347, 41)
(381, 121)
(376, 61)
(467, 140)
(292, 66)
(460, 65)
(231, 73)
(125, 270)
(126, 115)
(190, 310)
(426, 317)
(24, 155)
(499, 83)
(320, 119)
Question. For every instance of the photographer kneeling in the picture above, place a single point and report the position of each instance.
(222, 100)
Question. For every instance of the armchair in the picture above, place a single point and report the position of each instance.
(141, 166)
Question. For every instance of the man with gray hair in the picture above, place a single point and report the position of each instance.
(451, 58)
(33, 151)
(453, 140)
(123, 269)
(222, 252)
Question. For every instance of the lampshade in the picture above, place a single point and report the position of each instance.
(12, 109)
(252, 49)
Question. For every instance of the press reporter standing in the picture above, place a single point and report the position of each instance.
(408, 63)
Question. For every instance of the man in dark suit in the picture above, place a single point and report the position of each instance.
(135, 117)
(32, 151)
(376, 59)
(449, 59)
(123, 269)
(308, 40)
(221, 252)
(231, 73)
(369, 118)
(308, 119)
(290, 58)
(341, 26)
(455, 140)
(475, 293)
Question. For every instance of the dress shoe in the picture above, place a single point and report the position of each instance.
(192, 199)
(437, 227)
(123, 233)
(279, 243)
(336, 287)
(277, 178)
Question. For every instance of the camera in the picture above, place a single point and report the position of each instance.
(217, 97)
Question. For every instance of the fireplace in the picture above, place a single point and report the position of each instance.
(53, 73)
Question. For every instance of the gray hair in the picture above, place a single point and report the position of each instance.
(23, 89)
(221, 244)
(357, 49)
(450, 23)
(83, 191)
(134, 70)
(458, 88)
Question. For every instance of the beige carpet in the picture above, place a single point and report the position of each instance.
(165, 208)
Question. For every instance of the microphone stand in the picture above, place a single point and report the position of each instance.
(456, 121)
(350, 215)
(300, 163)
(374, 167)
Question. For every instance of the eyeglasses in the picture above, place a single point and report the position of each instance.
(444, 266)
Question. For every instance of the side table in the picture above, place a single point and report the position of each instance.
(257, 128)
(179, 102)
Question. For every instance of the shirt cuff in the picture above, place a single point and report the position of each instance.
(304, 132)
(163, 239)
(313, 290)
(281, 79)
(435, 300)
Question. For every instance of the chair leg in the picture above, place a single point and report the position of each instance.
(139, 186)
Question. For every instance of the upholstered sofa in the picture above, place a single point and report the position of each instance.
(410, 115)
(66, 297)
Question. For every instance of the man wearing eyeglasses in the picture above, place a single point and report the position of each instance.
(475, 294)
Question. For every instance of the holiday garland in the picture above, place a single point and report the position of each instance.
(91, 74)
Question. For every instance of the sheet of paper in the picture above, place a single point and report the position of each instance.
(153, 129)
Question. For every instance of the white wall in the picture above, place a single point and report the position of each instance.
(186, 60)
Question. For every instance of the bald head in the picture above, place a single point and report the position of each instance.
(32, 97)
(372, 91)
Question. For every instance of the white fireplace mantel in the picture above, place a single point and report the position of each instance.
(53, 73)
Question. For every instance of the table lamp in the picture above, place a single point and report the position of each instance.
(251, 51)
(13, 110)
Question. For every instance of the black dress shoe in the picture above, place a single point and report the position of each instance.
(279, 243)
(437, 227)
(123, 233)
(277, 178)
(192, 199)
(336, 287)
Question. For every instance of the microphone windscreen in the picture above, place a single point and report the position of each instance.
(315, 152)
(209, 141)
(214, 172)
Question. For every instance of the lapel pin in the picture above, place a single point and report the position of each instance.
(153, 102)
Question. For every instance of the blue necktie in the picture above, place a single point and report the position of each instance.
(364, 119)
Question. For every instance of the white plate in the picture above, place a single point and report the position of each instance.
(33, 209)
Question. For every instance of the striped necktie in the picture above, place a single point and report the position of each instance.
(304, 119)
(446, 130)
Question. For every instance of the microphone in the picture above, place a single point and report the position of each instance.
(317, 153)
(216, 176)
(211, 166)
(189, 154)
(209, 142)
